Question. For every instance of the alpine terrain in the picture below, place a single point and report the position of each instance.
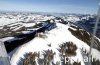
(41, 39)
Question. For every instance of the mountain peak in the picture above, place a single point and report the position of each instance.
(60, 38)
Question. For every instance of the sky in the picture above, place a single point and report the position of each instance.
(56, 6)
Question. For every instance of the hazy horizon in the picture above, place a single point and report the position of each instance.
(56, 6)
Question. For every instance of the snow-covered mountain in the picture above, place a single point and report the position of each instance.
(88, 24)
(51, 47)
(34, 39)
(13, 24)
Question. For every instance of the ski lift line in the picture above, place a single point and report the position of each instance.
(94, 33)
(95, 28)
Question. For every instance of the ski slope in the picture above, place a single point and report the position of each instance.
(55, 37)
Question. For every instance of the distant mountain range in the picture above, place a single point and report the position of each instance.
(36, 39)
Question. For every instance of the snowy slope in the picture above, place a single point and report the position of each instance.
(54, 38)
